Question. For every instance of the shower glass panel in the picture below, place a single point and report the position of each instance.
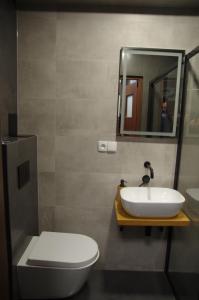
(184, 256)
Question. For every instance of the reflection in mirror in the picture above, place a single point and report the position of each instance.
(192, 114)
(149, 89)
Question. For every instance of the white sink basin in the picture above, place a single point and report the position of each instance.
(193, 193)
(151, 202)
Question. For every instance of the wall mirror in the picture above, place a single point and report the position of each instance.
(149, 92)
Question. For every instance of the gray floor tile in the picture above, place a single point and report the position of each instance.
(125, 285)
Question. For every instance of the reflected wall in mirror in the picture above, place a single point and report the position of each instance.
(192, 114)
(149, 92)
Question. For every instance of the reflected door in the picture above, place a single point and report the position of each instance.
(133, 104)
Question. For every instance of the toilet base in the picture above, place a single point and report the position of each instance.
(40, 283)
(36, 282)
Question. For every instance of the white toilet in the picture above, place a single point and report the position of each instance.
(55, 265)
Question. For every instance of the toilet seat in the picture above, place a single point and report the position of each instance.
(63, 250)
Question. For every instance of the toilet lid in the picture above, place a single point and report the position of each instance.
(64, 250)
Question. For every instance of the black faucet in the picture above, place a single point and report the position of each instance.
(123, 183)
(147, 165)
(145, 180)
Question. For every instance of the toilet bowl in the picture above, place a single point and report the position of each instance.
(55, 265)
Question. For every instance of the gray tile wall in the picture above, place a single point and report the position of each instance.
(68, 76)
(8, 63)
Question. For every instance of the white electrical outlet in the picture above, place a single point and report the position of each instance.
(112, 146)
(102, 146)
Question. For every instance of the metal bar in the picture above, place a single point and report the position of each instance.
(172, 287)
(181, 123)
(148, 231)
(193, 53)
(168, 249)
(160, 77)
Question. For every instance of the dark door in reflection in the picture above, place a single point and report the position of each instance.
(133, 105)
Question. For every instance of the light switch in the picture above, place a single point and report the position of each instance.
(102, 146)
(112, 147)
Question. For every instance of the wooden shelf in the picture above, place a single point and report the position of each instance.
(124, 219)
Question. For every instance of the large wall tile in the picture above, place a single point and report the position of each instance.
(79, 153)
(193, 72)
(47, 189)
(83, 79)
(8, 62)
(38, 77)
(37, 117)
(46, 218)
(37, 36)
(96, 190)
(46, 154)
(148, 253)
(186, 260)
(85, 114)
(129, 158)
(90, 40)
